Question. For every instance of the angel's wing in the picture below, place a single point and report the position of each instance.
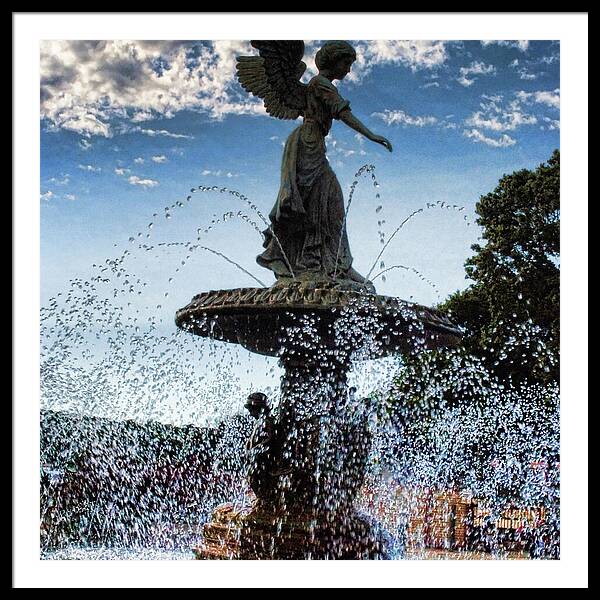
(275, 76)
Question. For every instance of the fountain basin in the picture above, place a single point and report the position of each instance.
(260, 320)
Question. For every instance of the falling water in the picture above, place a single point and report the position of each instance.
(143, 432)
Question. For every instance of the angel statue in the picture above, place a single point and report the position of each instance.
(307, 239)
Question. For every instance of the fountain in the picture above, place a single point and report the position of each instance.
(386, 439)
(319, 317)
(315, 456)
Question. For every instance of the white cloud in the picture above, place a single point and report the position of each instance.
(161, 158)
(63, 180)
(84, 144)
(135, 180)
(499, 115)
(496, 117)
(523, 72)
(552, 124)
(431, 84)
(337, 147)
(550, 59)
(139, 160)
(527, 75)
(88, 85)
(219, 173)
(47, 195)
(161, 133)
(475, 68)
(493, 97)
(548, 97)
(70, 197)
(478, 68)
(503, 141)
(522, 45)
(90, 168)
(393, 117)
(414, 54)
(143, 115)
(122, 171)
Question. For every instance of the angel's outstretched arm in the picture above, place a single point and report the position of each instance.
(348, 117)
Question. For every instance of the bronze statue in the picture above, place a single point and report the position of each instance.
(307, 239)
(307, 459)
(258, 445)
(263, 448)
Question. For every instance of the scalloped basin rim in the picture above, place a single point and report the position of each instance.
(255, 317)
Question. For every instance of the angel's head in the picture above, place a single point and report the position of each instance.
(335, 59)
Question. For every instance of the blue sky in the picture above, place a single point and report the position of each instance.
(127, 128)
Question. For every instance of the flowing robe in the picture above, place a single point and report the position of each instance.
(308, 228)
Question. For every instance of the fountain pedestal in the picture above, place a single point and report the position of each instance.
(310, 457)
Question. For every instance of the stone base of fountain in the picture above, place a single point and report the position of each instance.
(262, 534)
(310, 462)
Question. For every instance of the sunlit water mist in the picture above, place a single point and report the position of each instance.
(143, 430)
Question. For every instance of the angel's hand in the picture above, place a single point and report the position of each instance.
(379, 139)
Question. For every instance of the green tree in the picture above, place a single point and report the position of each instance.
(511, 311)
